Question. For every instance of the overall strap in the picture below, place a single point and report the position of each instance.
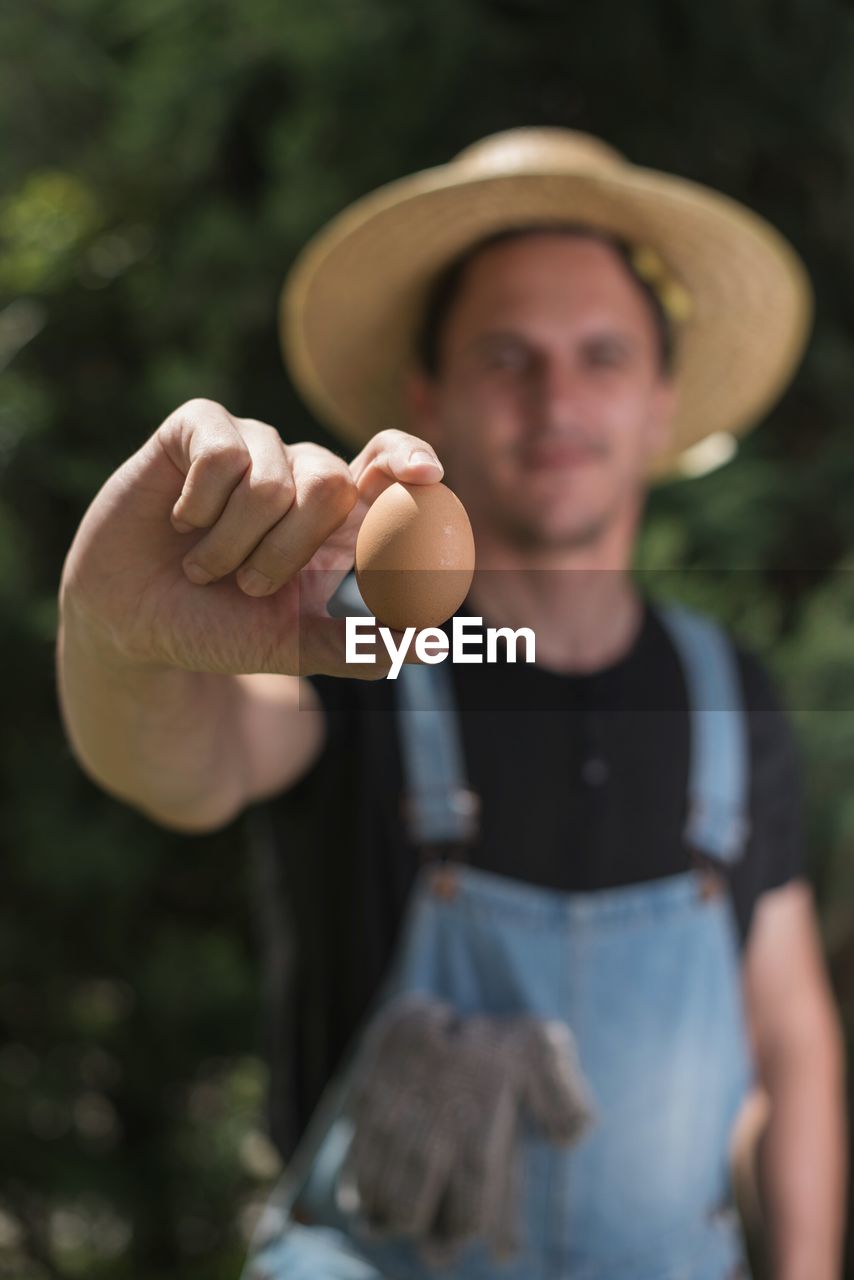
(718, 808)
(439, 807)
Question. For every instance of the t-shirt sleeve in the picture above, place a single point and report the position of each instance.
(775, 848)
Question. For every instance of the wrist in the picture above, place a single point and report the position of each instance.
(94, 640)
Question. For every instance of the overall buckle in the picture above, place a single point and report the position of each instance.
(711, 881)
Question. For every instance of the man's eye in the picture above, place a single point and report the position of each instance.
(607, 356)
(511, 358)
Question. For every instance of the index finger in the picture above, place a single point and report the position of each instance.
(394, 455)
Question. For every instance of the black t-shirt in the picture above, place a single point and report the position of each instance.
(583, 786)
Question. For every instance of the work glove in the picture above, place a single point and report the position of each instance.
(438, 1110)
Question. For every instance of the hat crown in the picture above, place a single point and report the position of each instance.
(538, 150)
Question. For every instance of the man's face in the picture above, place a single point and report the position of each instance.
(550, 400)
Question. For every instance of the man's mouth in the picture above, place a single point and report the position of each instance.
(555, 456)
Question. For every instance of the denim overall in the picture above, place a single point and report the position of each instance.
(647, 976)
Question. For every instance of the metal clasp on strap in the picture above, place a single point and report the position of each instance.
(461, 802)
(718, 785)
(711, 880)
(444, 880)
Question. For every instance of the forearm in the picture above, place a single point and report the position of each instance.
(158, 738)
(803, 1162)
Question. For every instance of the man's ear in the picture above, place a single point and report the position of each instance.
(421, 408)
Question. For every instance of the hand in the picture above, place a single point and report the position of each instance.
(161, 569)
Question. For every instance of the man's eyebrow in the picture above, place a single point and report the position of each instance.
(492, 337)
(620, 336)
(495, 337)
(500, 334)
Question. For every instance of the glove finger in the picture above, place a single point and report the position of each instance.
(391, 1156)
(501, 1195)
(398, 1167)
(481, 1197)
(438, 1249)
(553, 1084)
(362, 1172)
(422, 1173)
(503, 1233)
(460, 1214)
(480, 1113)
(424, 1152)
(349, 1174)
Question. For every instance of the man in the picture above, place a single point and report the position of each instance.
(557, 327)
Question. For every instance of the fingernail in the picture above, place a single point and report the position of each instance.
(420, 457)
(253, 582)
(197, 574)
(181, 526)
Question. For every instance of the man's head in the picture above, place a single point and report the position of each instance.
(545, 380)
(739, 298)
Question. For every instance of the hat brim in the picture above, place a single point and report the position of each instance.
(352, 303)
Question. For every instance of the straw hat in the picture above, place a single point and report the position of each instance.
(737, 293)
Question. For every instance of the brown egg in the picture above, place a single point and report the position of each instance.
(415, 556)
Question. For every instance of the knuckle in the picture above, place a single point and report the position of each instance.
(390, 437)
(232, 457)
(199, 407)
(265, 428)
(334, 489)
(311, 455)
(275, 492)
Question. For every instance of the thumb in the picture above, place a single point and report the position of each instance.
(323, 649)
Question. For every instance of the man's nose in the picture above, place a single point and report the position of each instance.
(558, 392)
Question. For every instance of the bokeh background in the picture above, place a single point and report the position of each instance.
(162, 163)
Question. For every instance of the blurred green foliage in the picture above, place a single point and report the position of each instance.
(163, 162)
